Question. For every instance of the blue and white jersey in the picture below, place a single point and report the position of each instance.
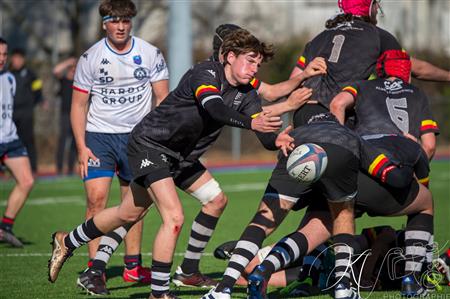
(119, 84)
(8, 131)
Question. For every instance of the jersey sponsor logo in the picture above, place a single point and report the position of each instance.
(213, 73)
(114, 96)
(105, 78)
(94, 163)
(237, 99)
(105, 61)
(160, 66)
(145, 163)
(137, 59)
(393, 85)
(140, 73)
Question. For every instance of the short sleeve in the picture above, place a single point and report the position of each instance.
(387, 41)
(158, 69)
(353, 88)
(303, 60)
(427, 122)
(84, 78)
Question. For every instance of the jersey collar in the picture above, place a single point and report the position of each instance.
(121, 54)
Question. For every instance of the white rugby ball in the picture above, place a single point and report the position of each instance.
(307, 162)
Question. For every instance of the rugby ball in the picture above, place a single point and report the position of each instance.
(307, 162)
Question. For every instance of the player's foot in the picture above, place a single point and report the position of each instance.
(137, 274)
(168, 295)
(341, 291)
(59, 255)
(412, 288)
(225, 250)
(9, 237)
(257, 284)
(196, 279)
(93, 282)
(212, 294)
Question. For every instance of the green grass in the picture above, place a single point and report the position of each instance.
(58, 204)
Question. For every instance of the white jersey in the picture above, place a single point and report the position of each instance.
(119, 84)
(8, 131)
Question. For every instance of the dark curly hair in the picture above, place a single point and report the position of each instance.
(242, 41)
(117, 8)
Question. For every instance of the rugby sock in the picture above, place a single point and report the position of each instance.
(343, 250)
(160, 278)
(287, 250)
(132, 261)
(417, 235)
(108, 245)
(202, 229)
(312, 263)
(7, 223)
(82, 234)
(245, 250)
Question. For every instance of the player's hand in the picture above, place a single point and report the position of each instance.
(317, 66)
(265, 123)
(299, 97)
(284, 141)
(84, 155)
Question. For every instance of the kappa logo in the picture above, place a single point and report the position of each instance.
(164, 158)
(212, 72)
(146, 163)
(394, 85)
(85, 55)
(105, 61)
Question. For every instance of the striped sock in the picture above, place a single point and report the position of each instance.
(288, 250)
(7, 223)
(160, 278)
(108, 245)
(245, 250)
(202, 229)
(343, 250)
(82, 235)
(417, 235)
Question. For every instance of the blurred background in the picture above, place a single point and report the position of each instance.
(53, 30)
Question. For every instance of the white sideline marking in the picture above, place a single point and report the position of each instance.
(80, 200)
(40, 254)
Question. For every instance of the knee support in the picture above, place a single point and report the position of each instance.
(207, 192)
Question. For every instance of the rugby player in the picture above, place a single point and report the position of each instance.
(13, 153)
(112, 91)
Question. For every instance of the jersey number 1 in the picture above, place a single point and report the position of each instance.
(338, 42)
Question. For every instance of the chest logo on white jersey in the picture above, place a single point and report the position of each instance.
(140, 73)
(104, 78)
(146, 162)
(137, 59)
(105, 61)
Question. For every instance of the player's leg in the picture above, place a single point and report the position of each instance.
(207, 190)
(21, 170)
(129, 211)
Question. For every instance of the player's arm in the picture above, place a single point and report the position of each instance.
(293, 102)
(61, 68)
(273, 92)
(423, 70)
(428, 142)
(78, 120)
(340, 103)
(160, 91)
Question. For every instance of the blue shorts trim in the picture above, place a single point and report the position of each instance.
(94, 174)
(13, 149)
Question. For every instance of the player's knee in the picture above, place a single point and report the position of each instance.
(129, 215)
(26, 184)
(218, 203)
(175, 221)
(210, 192)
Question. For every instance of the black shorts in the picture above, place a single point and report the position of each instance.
(151, 164)
(338, 182)
(377, 199)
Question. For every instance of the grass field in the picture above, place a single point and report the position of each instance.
(58, 204)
